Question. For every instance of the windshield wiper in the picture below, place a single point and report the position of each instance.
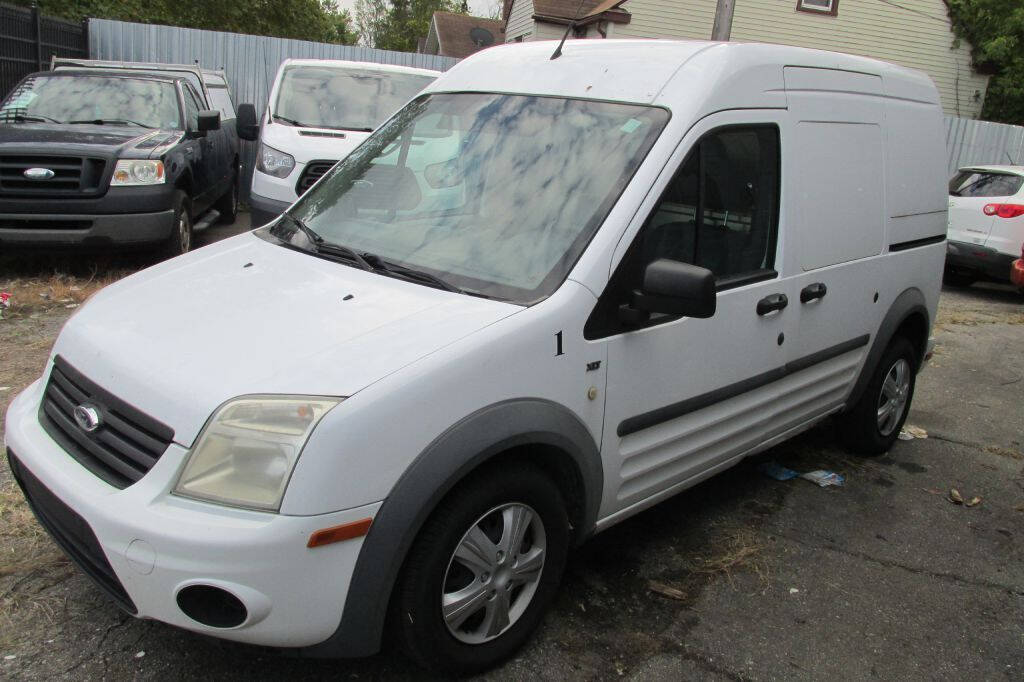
(378, 263)
(355, 130)
(119, 121)
(37, 118)
(292, 121)
(338, 250)
(311, 234)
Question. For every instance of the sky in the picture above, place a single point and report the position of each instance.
(479, 8)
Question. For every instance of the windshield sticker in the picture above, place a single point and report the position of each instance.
(22, 100)
(631, 126)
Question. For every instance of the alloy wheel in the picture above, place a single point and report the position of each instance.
(892, 400)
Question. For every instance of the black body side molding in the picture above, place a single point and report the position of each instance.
(915, 243)
(699, 402)
(462, 448)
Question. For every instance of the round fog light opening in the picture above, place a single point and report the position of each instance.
(212, 606)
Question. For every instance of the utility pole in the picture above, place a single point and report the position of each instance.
(723, 20)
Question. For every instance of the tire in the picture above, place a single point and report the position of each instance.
(227, 205)
(476, 638)
(180, 239)
(866, 430)
(956, 278)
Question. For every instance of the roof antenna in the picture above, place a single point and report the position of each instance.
(572, 24)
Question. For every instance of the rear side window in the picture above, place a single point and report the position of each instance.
(220, 99)
(970, 183)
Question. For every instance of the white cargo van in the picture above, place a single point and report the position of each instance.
(544, 296)
(319, 110)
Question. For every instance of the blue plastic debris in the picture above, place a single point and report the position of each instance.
(776, 471)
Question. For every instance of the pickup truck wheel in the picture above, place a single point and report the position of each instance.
(227, 205)
(482, 571)
(180, 239)
(874, 423)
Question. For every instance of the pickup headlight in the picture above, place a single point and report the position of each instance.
(138, 172)
(274, 162)
(245, 454)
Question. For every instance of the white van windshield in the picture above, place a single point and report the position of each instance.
(496, 195)
(343, 98)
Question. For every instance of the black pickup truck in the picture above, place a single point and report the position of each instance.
(95, 155)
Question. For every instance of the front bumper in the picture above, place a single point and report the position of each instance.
(155, 544)
(263, 210)
(62, 229)
(979, 260)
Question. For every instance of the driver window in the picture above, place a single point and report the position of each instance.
(720, 210)
(191, 109)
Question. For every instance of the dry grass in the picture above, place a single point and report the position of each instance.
(733, 550)
(39, 294)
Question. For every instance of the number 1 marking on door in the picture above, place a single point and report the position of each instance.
(558, 344)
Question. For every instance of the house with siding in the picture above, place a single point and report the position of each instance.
(912, 33)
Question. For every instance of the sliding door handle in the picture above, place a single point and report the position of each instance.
(812, 292)
(769, 304)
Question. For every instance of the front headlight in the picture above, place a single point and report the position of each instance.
(138, 172)
(274, 162)
(246, 453)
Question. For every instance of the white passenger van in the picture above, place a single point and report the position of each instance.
(544, 296)
(319, 110)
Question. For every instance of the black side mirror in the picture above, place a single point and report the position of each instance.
(208, 120)
(246, 124)
(672, 288)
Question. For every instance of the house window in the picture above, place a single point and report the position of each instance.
(829, 7)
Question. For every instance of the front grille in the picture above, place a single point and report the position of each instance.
(125, 445)
(71, 532)
(73, 175)
(313, 171)
(48, 223)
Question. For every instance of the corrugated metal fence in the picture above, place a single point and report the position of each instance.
(971, 142)
(250, 61)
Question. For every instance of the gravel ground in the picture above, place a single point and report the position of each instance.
(742, 577)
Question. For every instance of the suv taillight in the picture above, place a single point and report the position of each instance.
(1004, 210)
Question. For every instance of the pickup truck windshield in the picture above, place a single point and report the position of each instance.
(497, 195)
(114, 100)
(344, 98)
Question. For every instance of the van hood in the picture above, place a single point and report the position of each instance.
(312, 144)
(84, 139)
(246, 316)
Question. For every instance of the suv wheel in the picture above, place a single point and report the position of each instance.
(874, 423)
(227, 205)
(180, 239)
(956, 278)
(482, 571)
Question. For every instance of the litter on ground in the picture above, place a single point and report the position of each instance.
(909, 432)
(781, 473)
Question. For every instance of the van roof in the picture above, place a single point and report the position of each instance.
(648, 71)
(1013, 170)
(372, 66)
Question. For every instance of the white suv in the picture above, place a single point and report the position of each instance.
(545, 295)
(986, 223)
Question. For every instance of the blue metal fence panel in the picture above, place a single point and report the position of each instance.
(970, 142)
(249, 61)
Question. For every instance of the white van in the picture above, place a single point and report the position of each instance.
(318, 111)
(544, 296)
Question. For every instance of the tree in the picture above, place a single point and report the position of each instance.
(317, 20)
(995, 30)
(398, 24)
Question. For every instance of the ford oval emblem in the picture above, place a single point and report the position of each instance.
(38, 173)
(87, 417)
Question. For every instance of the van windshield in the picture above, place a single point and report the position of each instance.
(343, 98)
(497, 195)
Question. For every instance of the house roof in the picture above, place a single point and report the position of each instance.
(567, 10)
(460, 35)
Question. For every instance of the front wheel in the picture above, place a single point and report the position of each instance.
(227, 205)
(180, 239)
(482, 571)
(874, 423)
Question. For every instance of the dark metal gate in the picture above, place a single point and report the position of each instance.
(28, 40)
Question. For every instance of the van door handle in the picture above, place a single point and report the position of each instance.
(770, 304)
(812, 292)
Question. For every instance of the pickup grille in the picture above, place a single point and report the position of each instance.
(127, 442)
(72, 175)
(313, 171)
